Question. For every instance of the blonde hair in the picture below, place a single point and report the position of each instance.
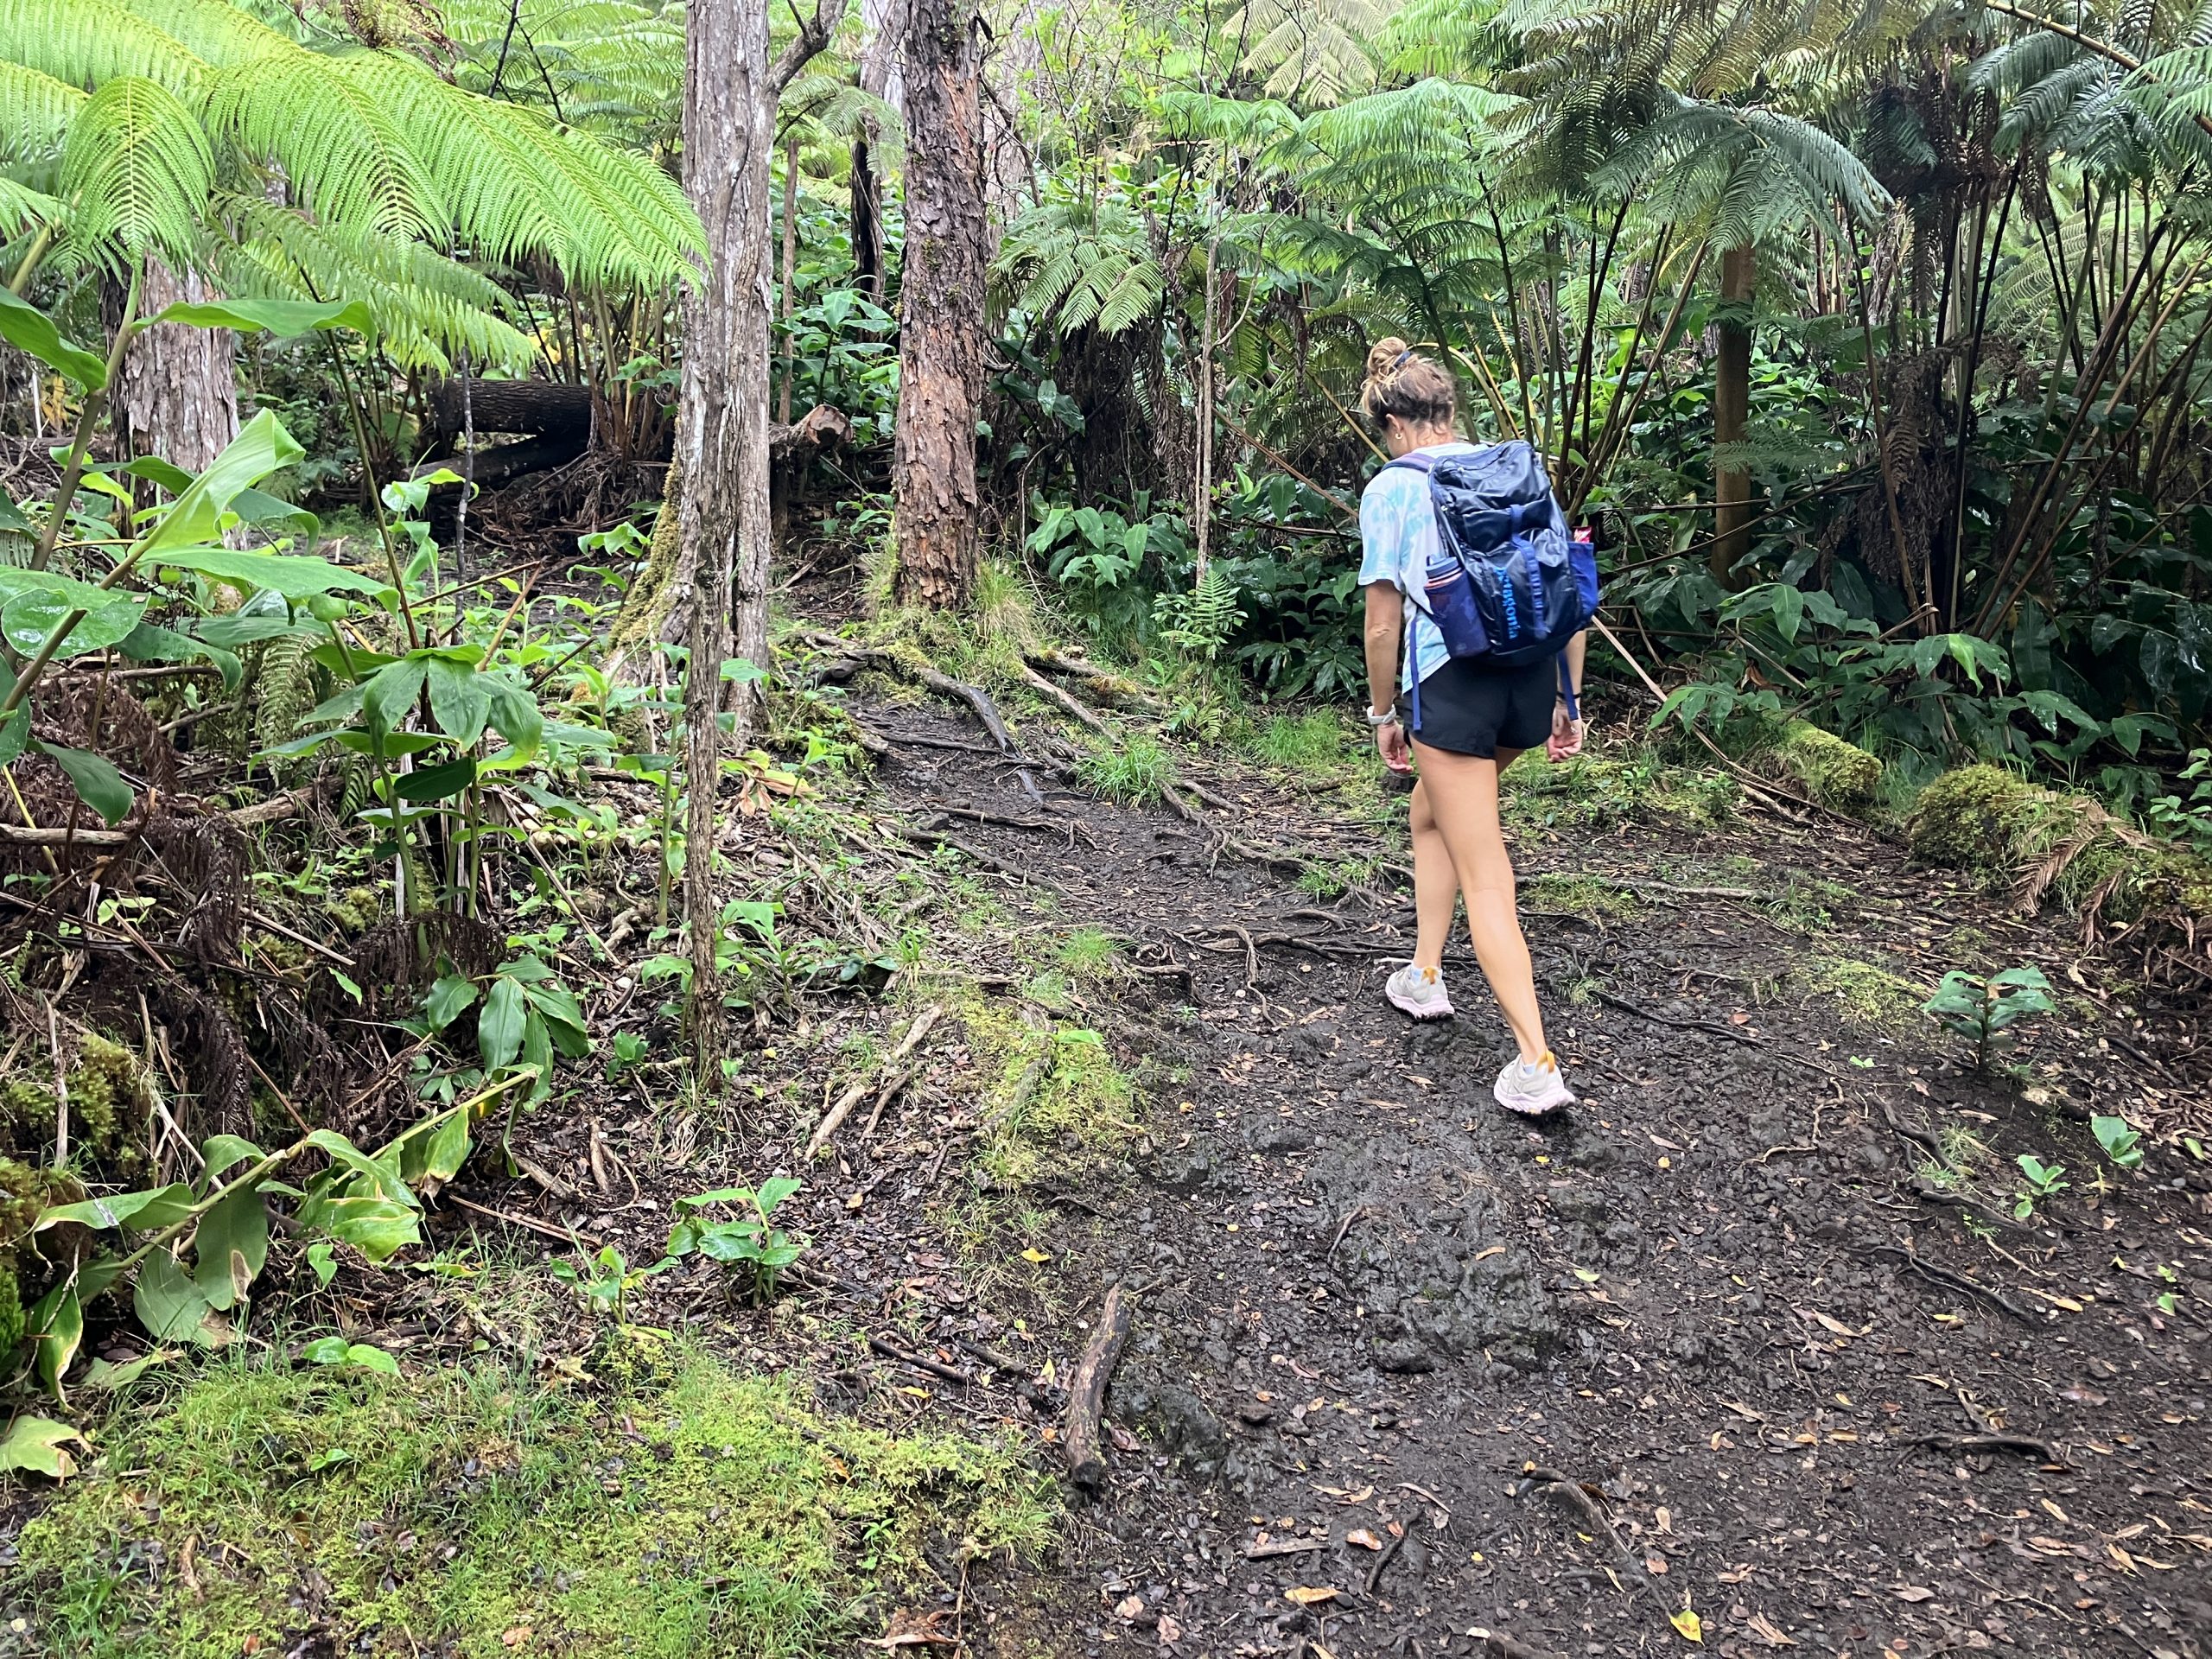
(1403, 385)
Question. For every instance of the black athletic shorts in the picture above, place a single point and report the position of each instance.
(1469, 708)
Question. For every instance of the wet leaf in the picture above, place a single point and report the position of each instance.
(1688, 1623)
(1912, 1592)
(1363, 1538)
(1312, 1595)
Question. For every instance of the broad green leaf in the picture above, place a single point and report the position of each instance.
(499, 1029)
(282, 318)
(270, 512)
(515, 716)
(222, 1151)
(538, 1053)
(56, 1328)
(168, 1304)
(391, 692)
(436, 1151)
(31, 618)
(230, 1248)
(262, 447)
(378, 1228)
(147, 643)
(295, 576)
(99, 784)
(30, 329)
(336, 1351)
(145, 1211)
(438, 782)
(383, 1176)
(460, 702)
(34, 1444)
(451, 995)
(14, 733)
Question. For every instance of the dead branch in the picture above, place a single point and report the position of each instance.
(1084, 1437)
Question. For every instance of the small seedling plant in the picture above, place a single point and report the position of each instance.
(1986, 1011)
(2121, 1144)
(751, 1240)
(2044, 1181)
(605, 1283)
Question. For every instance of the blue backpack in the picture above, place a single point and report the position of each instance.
(1508, 585)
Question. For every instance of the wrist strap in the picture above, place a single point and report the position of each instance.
(1567, 690)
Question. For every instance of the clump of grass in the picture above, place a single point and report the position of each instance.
(1805, 904)
(1872, 997)
(710, 1513)
(1088, 953)
(1333, 881)
(1136, 773)
(1578, 895)
(1313, 742)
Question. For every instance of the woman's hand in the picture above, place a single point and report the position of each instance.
(1391, 743)
(1565, 739)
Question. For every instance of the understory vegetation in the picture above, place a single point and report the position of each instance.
(479, 506)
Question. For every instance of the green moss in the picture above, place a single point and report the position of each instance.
(1579, 895)
(1599, 792)
(1967, 819)
(1836, 773)
(714, 1514)
(357, 910)
(1872, 997)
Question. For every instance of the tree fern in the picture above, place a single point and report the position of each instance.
(84, 42)
(137, 169)
(36, 110)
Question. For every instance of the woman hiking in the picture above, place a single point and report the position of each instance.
(1469, 720)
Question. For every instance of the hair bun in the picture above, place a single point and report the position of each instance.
(1382, 357)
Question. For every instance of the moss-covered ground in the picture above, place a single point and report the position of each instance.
(477, 1512)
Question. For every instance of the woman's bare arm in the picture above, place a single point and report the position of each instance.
(1386, 615)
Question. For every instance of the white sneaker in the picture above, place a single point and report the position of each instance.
(1532, 1090)
(1418, 992)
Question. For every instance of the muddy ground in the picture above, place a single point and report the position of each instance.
(1406, 1370)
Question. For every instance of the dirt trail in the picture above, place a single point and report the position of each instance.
(1412, 1361)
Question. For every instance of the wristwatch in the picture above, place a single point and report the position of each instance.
(1378, 721)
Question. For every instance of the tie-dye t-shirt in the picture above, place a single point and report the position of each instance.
(1397, 533)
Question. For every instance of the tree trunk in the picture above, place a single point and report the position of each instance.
(941, 309)
(883, 24)
(790, 277)
(1731, 403)
(720, 431)
(177, 393)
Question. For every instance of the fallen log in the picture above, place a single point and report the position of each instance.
(1084, 1437)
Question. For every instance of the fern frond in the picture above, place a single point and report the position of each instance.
(36, 110)
(137, 169)
(84, 42)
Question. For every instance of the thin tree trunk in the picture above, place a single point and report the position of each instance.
(177, 393)
(790, 277)
(1732, 402)
(721, 437)
(1202, 471)
(941, 308)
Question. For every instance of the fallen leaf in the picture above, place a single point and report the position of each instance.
(1169, 1630)
(1743, 1411)
(1663, 1518)
(1765, 1628)
(2054, 1508)
(1310, 1595)
(1363, 1538)
(1912, 1592)
(1833, 1326)
(2050, 1546)
(1656, 1566)
(1123, 1440)
(514, 1637)
(2121, 1558)
(1033, 1255)
(1128, 1607)
(1688, 1623)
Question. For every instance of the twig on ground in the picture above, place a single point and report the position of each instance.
(1087, 1389)
(920, 1362)
(1063, 698)
(566, 1234)
(1958, 1281)
(1959, 1445)
(1569, 1494)
(1390, 1553)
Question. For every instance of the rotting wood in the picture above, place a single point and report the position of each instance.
(920, 1362)
(1084, 1437)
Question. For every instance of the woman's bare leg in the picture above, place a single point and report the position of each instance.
(1462, 803)
(1436, 885)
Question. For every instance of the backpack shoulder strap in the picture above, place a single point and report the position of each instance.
(1416, 462)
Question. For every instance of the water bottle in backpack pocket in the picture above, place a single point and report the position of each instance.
(1506, 585)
